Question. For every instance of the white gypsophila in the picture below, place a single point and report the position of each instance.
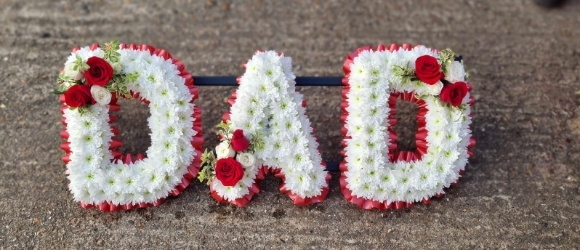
(246, 159)
(101, 95)
(371, 175)
(94, 178)
(455, 72)
(224, 150)
(268, 105)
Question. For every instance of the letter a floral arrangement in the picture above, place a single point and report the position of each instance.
(90, 84)
(266, 128)
(374, 173)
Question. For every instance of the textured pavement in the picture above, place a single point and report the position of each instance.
(520, 191)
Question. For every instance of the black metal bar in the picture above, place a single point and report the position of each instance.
(300, 81)
(335, 81)
(332, 166)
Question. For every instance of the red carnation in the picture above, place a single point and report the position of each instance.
(78, 95)
(99, 72)
(239, 141)
(228, 171)
(454, 93)
(428, 70)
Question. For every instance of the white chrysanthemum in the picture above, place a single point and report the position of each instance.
(370, 174)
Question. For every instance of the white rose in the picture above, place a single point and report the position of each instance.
(101, 95)
(223, 150)
(70, 72)
(455, 72)
(247, 160)
(434, 89)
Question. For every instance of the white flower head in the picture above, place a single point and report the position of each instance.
(247, 160)
(70, 72)
(223, 150)
(101, 95)
(434, 89)
(455, 72)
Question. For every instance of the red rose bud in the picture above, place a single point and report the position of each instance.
(99, 72)
(78, 95)
(428, 70)
(454, 93)
(239, 141)
(228, 171)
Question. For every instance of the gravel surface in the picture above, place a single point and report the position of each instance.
(520, 189)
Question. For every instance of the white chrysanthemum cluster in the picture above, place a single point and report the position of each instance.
(370, 173)
(93, 178)
(268, 105)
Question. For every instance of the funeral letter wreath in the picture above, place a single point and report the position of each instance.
(374, 175)
(266, 128)
(90, 83)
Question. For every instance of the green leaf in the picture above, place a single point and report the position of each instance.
(446, 57)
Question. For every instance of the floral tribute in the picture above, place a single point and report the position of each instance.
(90, 84)
(266, 129)
(374, 174)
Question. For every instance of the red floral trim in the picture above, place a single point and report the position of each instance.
(196, 141)
(254, 189)
(420, 135)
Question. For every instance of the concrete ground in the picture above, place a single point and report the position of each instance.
(521, 189)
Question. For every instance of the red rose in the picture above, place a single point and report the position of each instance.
(454, 93)
(99, 72)
(228, 171)
(428, 70)
(78, 95)
(239, 141)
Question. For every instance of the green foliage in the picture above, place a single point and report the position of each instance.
(118, 85)
(446, 57)
(79, 65)
(256, 143)
(208, 161)
(111, 50)
(406, 73)
(224, 130)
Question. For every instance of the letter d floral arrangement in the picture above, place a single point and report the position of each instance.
(90, 84)
(374, 173)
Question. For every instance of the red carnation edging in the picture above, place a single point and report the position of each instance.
(297, 200)
(115, 144)
(420, 135)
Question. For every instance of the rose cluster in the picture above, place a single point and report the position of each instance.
(453, 88)
(93, 89)
(232, 160)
